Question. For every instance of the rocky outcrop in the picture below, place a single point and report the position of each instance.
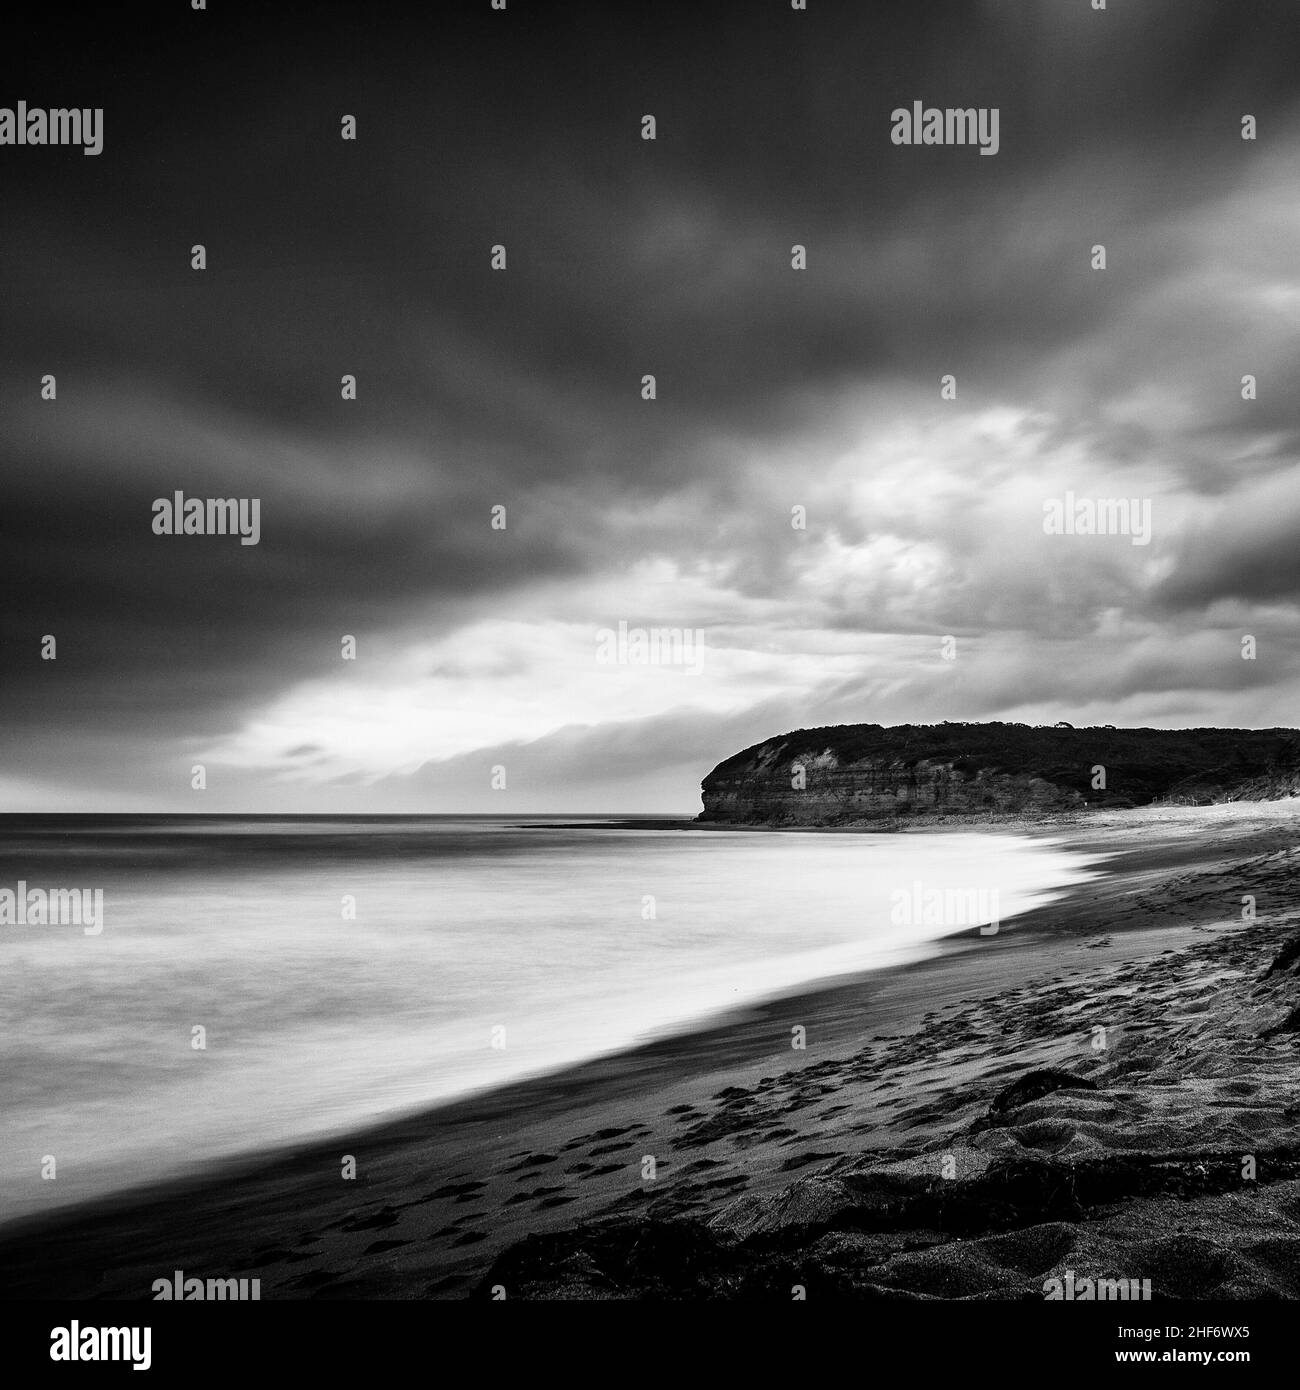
(866, 773)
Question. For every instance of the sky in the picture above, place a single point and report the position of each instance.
(840, 538)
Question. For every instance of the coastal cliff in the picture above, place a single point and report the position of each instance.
(865, 773)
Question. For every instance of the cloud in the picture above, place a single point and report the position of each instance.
(777, 390)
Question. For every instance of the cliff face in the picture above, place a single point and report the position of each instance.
(870, 789)
(862, 773)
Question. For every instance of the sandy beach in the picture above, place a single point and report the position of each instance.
(1108, 1085)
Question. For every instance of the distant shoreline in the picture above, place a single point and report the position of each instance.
(1101, 817)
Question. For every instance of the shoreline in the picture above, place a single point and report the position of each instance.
(1038, 822)
(441, 1195)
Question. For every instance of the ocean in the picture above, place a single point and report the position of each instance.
(260, 981)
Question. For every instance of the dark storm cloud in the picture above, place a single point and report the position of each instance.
(1248, 550)
(147, 621)
(626, 257)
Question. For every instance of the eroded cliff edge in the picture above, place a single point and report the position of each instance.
(867, 773)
